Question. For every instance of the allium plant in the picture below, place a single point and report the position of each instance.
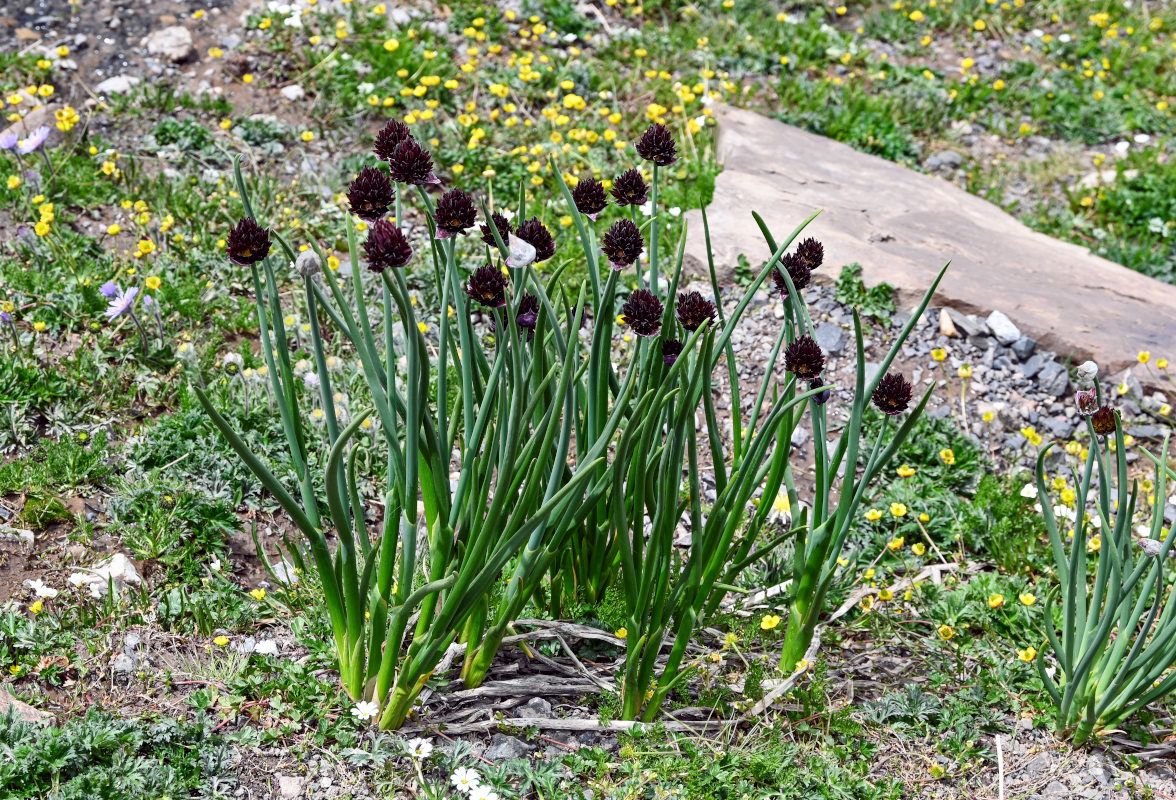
(574, 467)
(1114, 635)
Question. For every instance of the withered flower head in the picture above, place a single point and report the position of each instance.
(455, 213)
(804, 359)
(823, 397)
(630, 189)
(410, 163)
(811, 252)
(1087, 400)
(657, 145)
(892, 394)
(671, 349)
(797, 270)
(589, 197)
(643, 313)
(622, 243)
(487, 285)
(535, 234)
(370, 194)
(386, 247)
(528, 315)
(694, 309)
(1103, 421)
(505, 229)
(393, 134)
(247, 243)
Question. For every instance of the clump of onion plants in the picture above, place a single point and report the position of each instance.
(537, 461)
(1111, 619)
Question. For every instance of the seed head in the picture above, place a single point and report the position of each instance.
(804, 359)
(393, 134)
(694, 309)
(1087, 400)
(671, 349)
(535, 234)
(370, 194)
(589, 197)
(643, 313)
(247, 243)
(622, 243)
(410, 163)
(812, 253)
(630, 189)
(386, 246)
(657, 145)
(528, 315)
(892, 394)
(487, 286)
(1104, 420)
(455, 213)
(504, 230)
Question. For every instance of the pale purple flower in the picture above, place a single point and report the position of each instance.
(5, 316)
(122, 303)
(148, 302)
(8, 141)
(33, 142)
(109, 289)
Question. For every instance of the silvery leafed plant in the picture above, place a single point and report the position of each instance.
(532, 458)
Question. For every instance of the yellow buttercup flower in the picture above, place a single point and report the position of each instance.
(1027, 599)
(918, 548)
(258, 594)
(1028, 654)
(895, 543)
(769, 622)
(621, 633)
(938, 354)
(965, 371)
(996, 600)
(221, 641)
(873, 515)
(905, 471)
(898, 510)
(945, 632)
(885, 594)
(1144, 356)
(153, 282)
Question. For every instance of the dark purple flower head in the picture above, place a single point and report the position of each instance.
(528, 315)
(622, 243)
(797, 270)
(804, 359)
(589, 197)
(393, 134)
(812, 253)
(643, 313)
(487, 286)
(386, 247)
(823, 397)
(1104, 421)
(671, 349)
(657, 145)
(535, 234)
(410, 163)
(892, 395)
(693, 310)
(504, 230)
(455, 213)
(247, 243)
(630, 189)
(370, 194)
(1087, 400)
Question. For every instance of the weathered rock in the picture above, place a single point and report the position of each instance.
(1024, 347)
(831, 337)
(173, 43)
(504, 747)
(119, 84)
(1053, 379)
(289, 787)
(293, 92)
(967, 324)
(24, 711)
(903, 226)
(1002, 328)
(946, 326)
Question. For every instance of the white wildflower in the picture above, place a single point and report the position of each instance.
(40, 589)
(420, 749)
(465, 780)
(1029, 490)
(365, 710)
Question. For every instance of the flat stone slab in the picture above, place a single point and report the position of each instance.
(902, 227)
(22, 710)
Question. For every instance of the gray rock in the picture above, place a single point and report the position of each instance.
(131, 643)
(871, 369)
(967, 324)
(946, 159)
(800, 436)
(503, 747)
(123, 664)
(173, 43)
(1024, 347)
(1003, 328)
(1146, 431)
(830, 337)
(119, 84)
(1053, 379)
(1061, 428)
(1055, 789)
(535, 707)
(1033, 366)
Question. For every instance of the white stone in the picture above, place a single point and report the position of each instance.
(173, 43)
(119, 84)
(293, 92)
(1003, 328)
